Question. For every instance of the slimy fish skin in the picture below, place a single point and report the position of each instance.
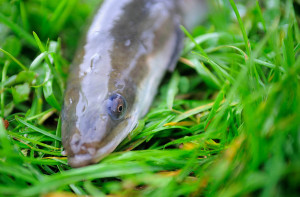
(116, 73)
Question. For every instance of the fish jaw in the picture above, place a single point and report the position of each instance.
(82, 136)
(83, 150)
(81, 160)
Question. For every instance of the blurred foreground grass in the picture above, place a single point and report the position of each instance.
(225, 123)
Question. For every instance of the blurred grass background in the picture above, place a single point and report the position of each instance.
(225, 123)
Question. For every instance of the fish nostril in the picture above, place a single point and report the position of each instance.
(75, 143)
(80, 147)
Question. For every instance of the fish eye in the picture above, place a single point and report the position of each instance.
(116, 106)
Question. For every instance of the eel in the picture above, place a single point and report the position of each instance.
(115, 74)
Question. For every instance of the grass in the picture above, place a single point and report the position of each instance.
(225, 123)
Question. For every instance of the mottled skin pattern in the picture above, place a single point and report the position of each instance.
(127, 50)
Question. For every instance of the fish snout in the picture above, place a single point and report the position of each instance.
(81, 153)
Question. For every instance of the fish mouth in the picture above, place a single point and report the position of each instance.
(86, 158)
(82, 153)
(80, 160)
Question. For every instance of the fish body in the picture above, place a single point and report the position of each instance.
(115, 74)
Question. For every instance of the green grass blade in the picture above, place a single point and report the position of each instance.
(46, 133)
(18, 30)
(172, 89)
(14, 59)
